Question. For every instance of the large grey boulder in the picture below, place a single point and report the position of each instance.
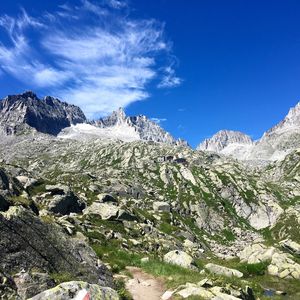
(77, 290)
(194, 290)
(26, 181)
(28, 243)
(109, 211)
(61, 200)
(106, 211)
(256, 253)
(179, 258)
(291, 246)
(66, 204)
(223, 271)
(4, 204)
(283, 266)
(106, 198)
(161, 206)
(28, 283)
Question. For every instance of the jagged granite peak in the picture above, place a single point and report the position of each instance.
(116, 118)
(290, 122)
(48, 115)
(223, 139)
(146, 129)
(281, 139)
(274, 145)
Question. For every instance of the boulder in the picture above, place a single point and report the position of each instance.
(223, 271)
(78, 290)
(222, 296)
(65, 204)
(256, 253)
(60, 200)
(283, 266)
(104, 210)
(58, 189)
(4, 180)
(106, 198)
(29, 283)
(4, 204)
(161, 206)
(26, 181)
(195, 291)
(291, 246)
(109, 211)
(45, 248)
(179, 258)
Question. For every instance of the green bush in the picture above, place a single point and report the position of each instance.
(250, 270)
(121, 289)
(118, 259)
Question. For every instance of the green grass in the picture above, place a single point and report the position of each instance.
(120, 288)
(173, 275)
(62, 277)
(118, 259)
(250, 270)
(167, 228)
(228, 234)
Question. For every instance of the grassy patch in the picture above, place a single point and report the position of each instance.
(120, 288)
(118, 259)
(173, 275)
(62, 277)
(167, 228)
(228, 234)
(250, 270)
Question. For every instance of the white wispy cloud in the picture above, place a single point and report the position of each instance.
(169, 79)
(158, 120)
(92, 55)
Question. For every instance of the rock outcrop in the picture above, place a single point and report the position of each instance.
(19, 113)
(29, 244)
(179, 258)
(78, 290)
(220, 270)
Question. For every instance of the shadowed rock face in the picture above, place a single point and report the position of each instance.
(28, 244)
(50, 115)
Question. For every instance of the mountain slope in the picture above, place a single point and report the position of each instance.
(275, 144)
(138, 200)
(50, 115)
(146, 129)
(227, 142)
(20, 113)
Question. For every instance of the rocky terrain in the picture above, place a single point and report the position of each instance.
(76, 212)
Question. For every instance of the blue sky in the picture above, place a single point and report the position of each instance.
(199, 65)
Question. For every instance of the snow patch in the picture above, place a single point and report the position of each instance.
(85, 131)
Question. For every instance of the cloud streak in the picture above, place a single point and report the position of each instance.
(92, 55)
(158, 120)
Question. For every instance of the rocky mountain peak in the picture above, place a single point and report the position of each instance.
(224, 138)
(143, 127)
(290, 122)
(49, 115)
(119, 116)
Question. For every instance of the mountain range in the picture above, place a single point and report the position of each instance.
(22, 112)
(275, 144)
(81, 200)
(52, 116)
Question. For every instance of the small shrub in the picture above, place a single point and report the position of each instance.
(121, 289)
(250, 270)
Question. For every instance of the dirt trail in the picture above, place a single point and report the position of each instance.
(144, 286)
